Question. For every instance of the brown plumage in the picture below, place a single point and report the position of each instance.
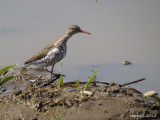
(41, 54)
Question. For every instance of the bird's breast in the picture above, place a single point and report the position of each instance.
(53, 52)
(53, 56)
(56, 54)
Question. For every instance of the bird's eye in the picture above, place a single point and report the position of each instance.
(75, 28)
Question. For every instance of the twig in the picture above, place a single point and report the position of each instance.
(49, 82)
(101, 82)
(36, 79)
(32, 77)
(128, 83)
(74, 82)
(135, 81)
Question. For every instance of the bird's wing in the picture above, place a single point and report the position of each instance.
(40, 54)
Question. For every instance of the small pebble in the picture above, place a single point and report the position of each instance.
(126, 62)
(87, 93)
(150, 93)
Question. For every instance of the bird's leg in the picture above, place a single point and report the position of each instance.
(52, 71)
(55, 75)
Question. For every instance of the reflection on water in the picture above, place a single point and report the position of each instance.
(121, 30)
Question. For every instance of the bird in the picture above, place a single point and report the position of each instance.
(54, 52)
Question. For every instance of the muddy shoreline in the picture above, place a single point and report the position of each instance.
(106, 102)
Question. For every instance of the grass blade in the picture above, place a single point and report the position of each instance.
(61, 77)
(6, 68)
(6, 80)
(77, 84)
(90, 80)
(60, 80)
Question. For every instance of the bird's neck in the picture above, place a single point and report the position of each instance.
(65, 37)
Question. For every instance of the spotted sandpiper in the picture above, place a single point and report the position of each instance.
(54, 52)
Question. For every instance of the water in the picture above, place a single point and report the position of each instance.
(121, 30)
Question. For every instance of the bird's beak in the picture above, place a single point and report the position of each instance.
(85, 32)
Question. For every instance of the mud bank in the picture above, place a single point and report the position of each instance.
(104, 102)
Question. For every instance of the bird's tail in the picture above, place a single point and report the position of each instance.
(26, 65)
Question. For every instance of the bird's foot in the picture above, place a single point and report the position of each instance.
(57, 75)
(54, 74)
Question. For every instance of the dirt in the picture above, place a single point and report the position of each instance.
(45, 102)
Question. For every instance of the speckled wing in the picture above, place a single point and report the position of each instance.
(40, 54)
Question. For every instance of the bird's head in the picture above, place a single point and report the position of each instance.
(76, 29)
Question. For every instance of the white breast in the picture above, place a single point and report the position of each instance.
(49, 57)
(52, 57)
(52, 53)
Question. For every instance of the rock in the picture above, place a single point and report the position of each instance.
(150, 94)
(126, 62)
(87, 93)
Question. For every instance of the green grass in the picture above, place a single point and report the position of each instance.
(77, 84)
(2, 79)
(89, 81)
(6, 79)
(75, 79)
(61, 77)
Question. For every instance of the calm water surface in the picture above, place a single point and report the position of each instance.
(121, 30)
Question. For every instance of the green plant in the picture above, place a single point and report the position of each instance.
(77, 84)
(6, 79)
(2, 79)
(75, 79)
(89, 81)
(61, 77)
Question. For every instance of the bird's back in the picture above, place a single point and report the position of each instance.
(40, 54)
